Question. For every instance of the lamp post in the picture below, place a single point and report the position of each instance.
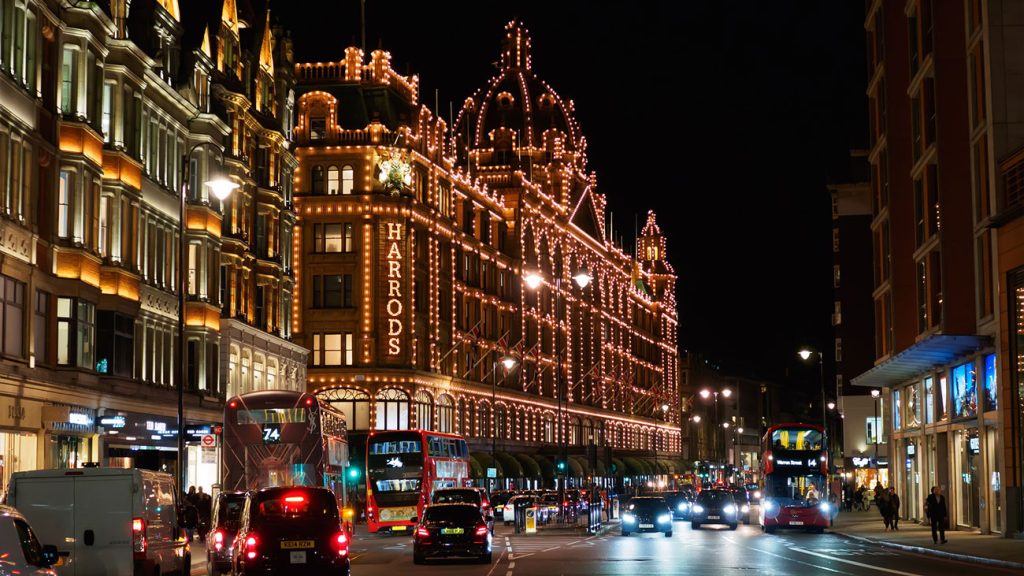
(221, 188)
(533, 281)
(805, 354)
(507, 362)
(708, 393)
(875, 394)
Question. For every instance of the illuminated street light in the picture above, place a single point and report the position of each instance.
(727, 392)
(696, 418)
(508, 362)
(705, 393)
(533, 280)
(583, 278)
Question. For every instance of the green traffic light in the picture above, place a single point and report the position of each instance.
(353, 473)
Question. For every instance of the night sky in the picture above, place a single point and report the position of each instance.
(726, 118)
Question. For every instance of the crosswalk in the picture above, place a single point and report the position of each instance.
(524, 546)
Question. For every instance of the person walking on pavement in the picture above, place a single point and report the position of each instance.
(894, 508)
(935, 508)
(204, 506)
(882, 501)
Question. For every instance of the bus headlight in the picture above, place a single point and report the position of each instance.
(824, 507)
(729, 509)
(628, 518)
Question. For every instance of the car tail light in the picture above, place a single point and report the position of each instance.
(422, 532)
(295, 499)
(250, 547)
(481, 530)
(341, 543)
(218, 540)
(139, 537)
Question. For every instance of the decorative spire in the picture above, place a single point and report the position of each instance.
(516, 50)
(267, 48)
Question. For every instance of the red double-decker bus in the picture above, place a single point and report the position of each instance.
(794, 473)
(403, 468)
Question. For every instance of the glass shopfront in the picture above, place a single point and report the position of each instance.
(17, 454)
(911, 494)
(968, 466)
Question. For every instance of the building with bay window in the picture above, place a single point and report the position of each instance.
(415, 250)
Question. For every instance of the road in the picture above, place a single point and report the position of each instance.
(709, 551)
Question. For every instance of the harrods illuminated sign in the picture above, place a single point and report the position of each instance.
(393, 300)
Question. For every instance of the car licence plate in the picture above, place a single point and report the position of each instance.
(452, 531)
(714, 517)
(398, 528)
(294, 544)
(297, 557)
(795, 523)
(647, 525)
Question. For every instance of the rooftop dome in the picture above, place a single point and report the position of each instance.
(516, 108)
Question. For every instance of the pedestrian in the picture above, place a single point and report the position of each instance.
(894, 508)
(192, 497)
(189, 519)
(935, 509)
(882, 501)
(204, 506)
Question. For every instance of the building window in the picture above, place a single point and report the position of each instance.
(104, 240)
(926, 204)
(69, 69)
(347, 180)
(64, 191)
(897, 410)
(549, 429)
(839, 349)
(965, 391)
(392, 410)
(835, 276)
(873, 431)
(115, 343)
(984, 264)
(108, 112)
(835, 239)
(41, 328)
(445, 414)
(327, 349)
(929, 291)
(332, 180)
(12, 316)
(327, 291)
(317, 128)
(424, 411)
(346, 291)
(350, 349)
(318, 180)
(76, 328)
(929, 400)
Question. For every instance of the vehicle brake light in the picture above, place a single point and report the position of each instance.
(341, 541)
(481, 530)
(218, 540)
(250, 547)
(233, 404)
(139, 537)
(423, 532)
(309, 401)
(295, 499)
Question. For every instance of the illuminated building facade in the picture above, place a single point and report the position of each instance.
(412, 250)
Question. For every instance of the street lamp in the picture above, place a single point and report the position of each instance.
(805, 354)
(705, 394)
(508, 363)
(533, 280)
(221, 188)
(875, 394)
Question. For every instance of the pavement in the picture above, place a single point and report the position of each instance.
(962, 545)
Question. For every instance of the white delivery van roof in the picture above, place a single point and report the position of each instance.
(89, 472)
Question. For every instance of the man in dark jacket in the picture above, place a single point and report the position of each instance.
(935, 507)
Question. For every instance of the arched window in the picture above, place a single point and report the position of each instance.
(392, 410)
(424, 411)
(332, 180)
(317, 127)
(575, 431)
(599, 433)
(588, 432)
(445, 414)
(348, 180)
(257, 372)
(468, 411)
(233, 372)
(271, 374)
(355, 404)
(243, 384)
(318, 180)
(483, 420)
(549, 428)
(500, 422)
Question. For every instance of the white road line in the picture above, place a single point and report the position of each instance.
(862, 565)
(509, 555)
(509, 573)
(495, 565)
(511, 564)
(786, 557)
(550, 549)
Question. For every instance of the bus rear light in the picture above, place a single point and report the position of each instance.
(309, 401)
(233, 404)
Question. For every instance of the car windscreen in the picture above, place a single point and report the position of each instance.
(455, 496)
(302, 504)
(457, 514)
(715, 497)
(647, 503)
(230, 509)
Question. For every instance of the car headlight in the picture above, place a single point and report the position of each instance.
(757, 494)
(681, 507)
(824, 507)
(698, 508)
(729, 509)
(664, 519)
(744, 509)
(628, 518)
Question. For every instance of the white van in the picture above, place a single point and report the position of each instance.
(110, 521)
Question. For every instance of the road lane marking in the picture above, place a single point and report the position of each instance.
(509, 573)
(786, 557)
(861, 564)
(495, 565)
(511, 564)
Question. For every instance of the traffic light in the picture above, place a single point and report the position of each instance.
(561, 465)
(614, 468)
(353, 473)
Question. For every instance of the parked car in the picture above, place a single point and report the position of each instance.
(452, 530)
(509, 510)
(474, 496)
(224, 523)
(23, 553)
(290, 530)
(109, 521)
(647, 514)
(715, 506)
(499, 499)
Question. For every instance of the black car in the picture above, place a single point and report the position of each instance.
(224, 522)
(290, 530)
(679, 503)
(452, 530)
(714, 507)
(647, 514)
(474, 496)
(753, 493)
(739, 493)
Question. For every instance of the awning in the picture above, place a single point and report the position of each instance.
(620, 466)
(530, 467)
(511, 466)
(475, 469)
(923, 356)
(575, 469)
(635, 467)
(599, 469)
(584, 465)
(547, 468)
(486, 462)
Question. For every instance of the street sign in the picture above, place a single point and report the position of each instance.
(208, 440)
(531, 520)
(492, 472)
